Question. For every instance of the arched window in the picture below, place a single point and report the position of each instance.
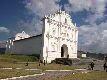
(65, 20)
(53, 47)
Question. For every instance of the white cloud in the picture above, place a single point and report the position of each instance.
(77, 5)
(38, 8)
(97, 7)
(32, 28)
(92, 36)
(42, 7)
(4, 29)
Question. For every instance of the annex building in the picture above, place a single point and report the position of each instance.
(59, 39)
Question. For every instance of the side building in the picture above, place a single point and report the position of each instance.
(26, 46)
(59, 39)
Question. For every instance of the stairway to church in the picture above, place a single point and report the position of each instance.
(64, 61)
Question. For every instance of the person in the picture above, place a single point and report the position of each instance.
(105, 66)
(68, 56)
(44, 62)
(39, 62)
(26, 64)
(92, 65)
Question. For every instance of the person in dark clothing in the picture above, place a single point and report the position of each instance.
(68, 56)
(39, 62)
(105, 66)
(44, 62)
(26, 64)
(92, 65)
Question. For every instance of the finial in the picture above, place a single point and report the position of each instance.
(45, 16)
(50, 15)
(23, 31)
(75, 24)
(60, 9)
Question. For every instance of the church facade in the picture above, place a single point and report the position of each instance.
(59, 39)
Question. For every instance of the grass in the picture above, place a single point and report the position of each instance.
(95, 75)
(15, 73)
(19, 61)
(52, 66)
(17, 58)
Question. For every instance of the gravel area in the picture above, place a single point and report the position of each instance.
(52, 75)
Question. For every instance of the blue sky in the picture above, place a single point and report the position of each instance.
(89, 15)
(11, 11)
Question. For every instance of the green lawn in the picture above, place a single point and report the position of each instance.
(17, 58)
(95, 75)
(35, 65)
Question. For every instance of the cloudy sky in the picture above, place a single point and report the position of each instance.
(89, 15)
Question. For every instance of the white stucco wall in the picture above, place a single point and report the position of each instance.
(57, 32)
(32, 45)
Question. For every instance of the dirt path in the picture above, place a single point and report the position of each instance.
(52, 75)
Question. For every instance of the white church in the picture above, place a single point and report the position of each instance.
(59, 39)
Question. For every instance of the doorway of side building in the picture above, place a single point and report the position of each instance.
(64, 51)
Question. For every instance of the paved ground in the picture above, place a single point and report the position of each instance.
(99, 67)
(52, 75)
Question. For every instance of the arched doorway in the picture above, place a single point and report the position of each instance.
(64, 51)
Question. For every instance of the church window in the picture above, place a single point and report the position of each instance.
(67, 35)
(65, 20)
(53, 47)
